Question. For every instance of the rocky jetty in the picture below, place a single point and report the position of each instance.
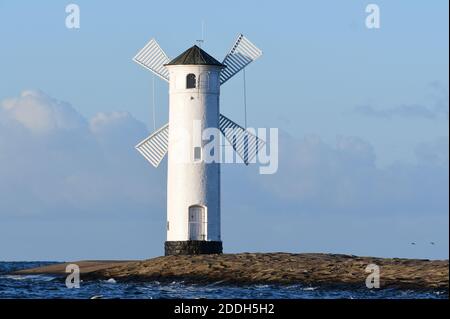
(268, 268)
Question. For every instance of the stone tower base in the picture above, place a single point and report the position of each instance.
(192, 247)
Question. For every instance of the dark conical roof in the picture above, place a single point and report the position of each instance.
(195, 55)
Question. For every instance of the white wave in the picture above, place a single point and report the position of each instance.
(29, 277)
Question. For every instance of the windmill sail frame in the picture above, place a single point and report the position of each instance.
(245, 144)
(155, 147)
(241, 54)
(153, 58)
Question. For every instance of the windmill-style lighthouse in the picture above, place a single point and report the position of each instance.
(193, 184)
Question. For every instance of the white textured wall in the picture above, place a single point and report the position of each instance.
(190, 183)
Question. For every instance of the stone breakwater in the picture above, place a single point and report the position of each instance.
(268, 268)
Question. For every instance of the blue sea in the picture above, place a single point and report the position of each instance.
(53, 287)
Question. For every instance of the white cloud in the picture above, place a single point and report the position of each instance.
(315, 177)
(435, 153)
(436, 106)
(39, 113)
(54, 161)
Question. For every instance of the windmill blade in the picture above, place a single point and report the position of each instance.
(244, 143)
(154, 147)
(242, 54)
(153, 58)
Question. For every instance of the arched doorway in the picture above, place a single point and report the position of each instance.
(197, 222)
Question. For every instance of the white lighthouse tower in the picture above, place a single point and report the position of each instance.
(193, 183)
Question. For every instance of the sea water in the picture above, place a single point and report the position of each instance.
(46, 286)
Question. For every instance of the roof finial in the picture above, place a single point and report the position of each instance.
(200, 41)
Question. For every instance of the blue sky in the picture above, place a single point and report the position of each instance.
(367, 108)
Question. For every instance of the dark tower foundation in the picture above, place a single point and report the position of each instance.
(192, 247)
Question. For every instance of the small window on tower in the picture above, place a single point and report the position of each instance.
(190, 81)
(197, 154)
